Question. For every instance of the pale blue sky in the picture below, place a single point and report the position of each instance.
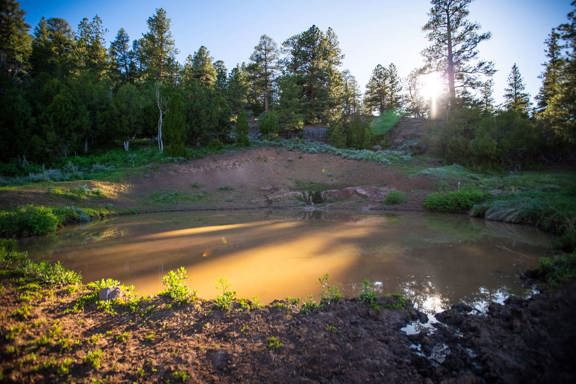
(371, 32)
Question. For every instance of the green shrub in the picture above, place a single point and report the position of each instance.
(455, 201)
(226, 299)
(51, 273)
(174, 286)
(274, 342)
(269, 125)
(28, 220)
(384, 123)
(368, 294)
(567, 242)
(557, 269)
(395, 197)
(329, 293)
(242, 129)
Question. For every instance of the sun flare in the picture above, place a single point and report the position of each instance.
(432, 85)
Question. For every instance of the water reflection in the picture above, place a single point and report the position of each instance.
(434, 260)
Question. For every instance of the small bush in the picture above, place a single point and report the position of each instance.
(330, 293)
(274, 342)
(395, 197)
(242, 129)
(226, 299)
(368, 294)
(94, 358)
(51, 273)
(269, 125)
(454, 202)
(28, 220)
(557, 269)
(174, 286)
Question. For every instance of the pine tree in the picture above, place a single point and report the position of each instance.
(242, 129)
(175, 126)
(375, 97)
(237, 91)
(53, 48)
(264, 68)
(91, 53)
(221, 75)
(487, 96)
(552, 72)
(454, 46)
(290, 107)
(202, 68)
(15, 42)
(515, 99)
(127, 114)
(121, 57)
(312, 62)
(157, 52)
(561, 110)
(351, 94)
(394, 88)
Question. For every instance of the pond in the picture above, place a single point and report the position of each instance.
(436, 260)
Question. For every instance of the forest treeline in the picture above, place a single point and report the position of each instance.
(65, 92)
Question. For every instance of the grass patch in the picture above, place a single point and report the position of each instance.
(395, 197)
(557, 269)
(173, 197)
(109, 165)
(329, 293)
(455, 201)
(82, 192)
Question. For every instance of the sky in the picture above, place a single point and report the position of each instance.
(370, 32)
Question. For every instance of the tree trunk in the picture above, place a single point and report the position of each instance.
(126, 145)
(160, 120)
(451, 75)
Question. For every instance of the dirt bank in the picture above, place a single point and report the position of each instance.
(252, 178)
(531, 341)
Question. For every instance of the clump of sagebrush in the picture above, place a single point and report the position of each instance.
(175, 287)
(226, 299)
(395, 197)
(455, 201)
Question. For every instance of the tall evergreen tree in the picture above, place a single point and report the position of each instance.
(221, 75)
(487, 96)
(383, 89)
(552, 71)
(53, 47)
(264, 68)
(515, 99)
(351, 94)
(238, 88)
(157, 51)
(91, 52)
(202, 68)
(15, 42)
(313, 60)
(454, 46)
(121, 57)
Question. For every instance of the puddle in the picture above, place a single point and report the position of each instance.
(435, 260)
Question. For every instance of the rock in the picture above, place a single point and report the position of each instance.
(377, 148)
(219, 359)
(112, 293)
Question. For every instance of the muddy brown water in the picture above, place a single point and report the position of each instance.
(436, 260)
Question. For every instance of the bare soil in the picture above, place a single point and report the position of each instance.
(532, 341)
(253, 178)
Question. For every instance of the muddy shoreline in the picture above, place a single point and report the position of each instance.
(524, 341)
